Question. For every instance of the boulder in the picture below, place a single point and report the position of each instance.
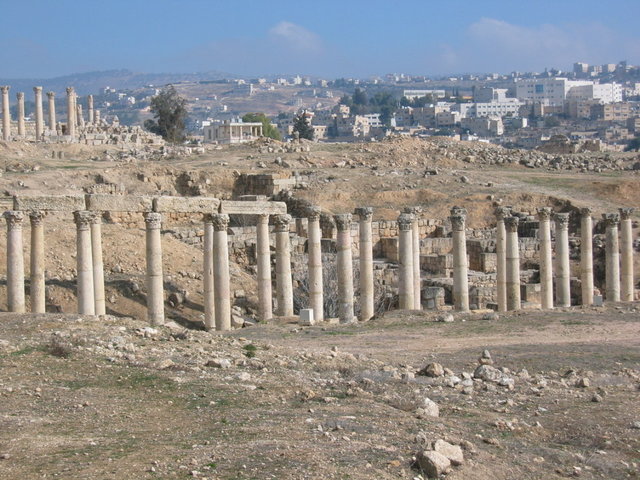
(432, 463)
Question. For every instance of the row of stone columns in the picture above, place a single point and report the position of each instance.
(74, 112)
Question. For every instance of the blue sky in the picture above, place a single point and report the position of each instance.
(42, 39)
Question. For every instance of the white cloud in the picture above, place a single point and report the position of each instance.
(296, 37)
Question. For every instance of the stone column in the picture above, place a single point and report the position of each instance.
(284, 286)
(314, 247)
(405, 257)
(84, 259)
(155, 284)
(344, 268)
(71, 112)
(79, 116)
(367, 307)
(20, 98)
(512, 263)
(98, 266)
(586, 255)
(90, 109)
(39, 115)
(6, 113)
(97, 117)
(263, 247)
(37, 289)
(546, 265)
(415, 231)
(460, 267)
(221, 277)
(612, 271)
(626, 252)
(52, 110)
(501, 261)
(563, 272)
(15, 262)
(207, 276)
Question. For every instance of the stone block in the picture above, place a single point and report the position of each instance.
(306, 317)
(236, 207)
(166, 204)
(51, 203)
(119, 203)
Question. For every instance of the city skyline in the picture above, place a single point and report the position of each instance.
(331, 39)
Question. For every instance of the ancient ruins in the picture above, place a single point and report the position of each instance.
(509, 293)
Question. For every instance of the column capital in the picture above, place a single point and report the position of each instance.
(153, 220)
(208, 217)
(586, 211)
(282, 222)
(457, 222)
(415, 210)
(511, 224)
(51, 94)
(313, 213)
(405, 221)
(544, 213)
(343, 221)
(4, 88)
(70, 91)
(220, 222)
(82, 219)
(36, 217)
(14, 218)
(365, 213)
(263, 217)
(611, 219)
(502, 212)
(562, 220)
(625, 213)
(458, 211)
(20, 96)
(37, 90)
(96, 218)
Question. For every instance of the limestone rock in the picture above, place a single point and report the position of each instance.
(429, 408)
(583, 382)
(445, 317)
(485, 358)
(432, 370)
(452, 452)
(433, 464)
(218, 363)
(487, 373)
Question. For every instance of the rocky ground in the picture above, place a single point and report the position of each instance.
(554, 396)
(527, 396)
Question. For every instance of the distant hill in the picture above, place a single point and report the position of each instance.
(92, 82)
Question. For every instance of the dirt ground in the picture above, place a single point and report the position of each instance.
(103, 398)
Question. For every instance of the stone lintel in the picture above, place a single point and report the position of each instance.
(49, 203)
(232, 207)
(119, 203)
(166, 204)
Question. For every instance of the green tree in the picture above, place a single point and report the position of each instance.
(302, 125)
(633, 145)
(268, 130)
(169, 110)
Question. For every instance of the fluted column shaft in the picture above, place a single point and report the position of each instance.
(21, 129)
(263, 247)
(314, 247)
(52, 110)
(626, 256)
(85, 292)
(15, 262)
(71, 112)
(98, 265)
(37, 289)
(501, 262)
(344, 268)
(284, 284)
(155, 281)
(586, 256)
(207, 277)
(460, 266)
(405, 256)
(6, 113)
(415, 231)
(546, 262)
(612, 271)
(221, 275)
(367, 307)
(39, 115)
(563, 272)
(512, 263)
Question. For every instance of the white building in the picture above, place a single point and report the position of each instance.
(548, 91)
(605, 92)
(411, 94)
(232, 132)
